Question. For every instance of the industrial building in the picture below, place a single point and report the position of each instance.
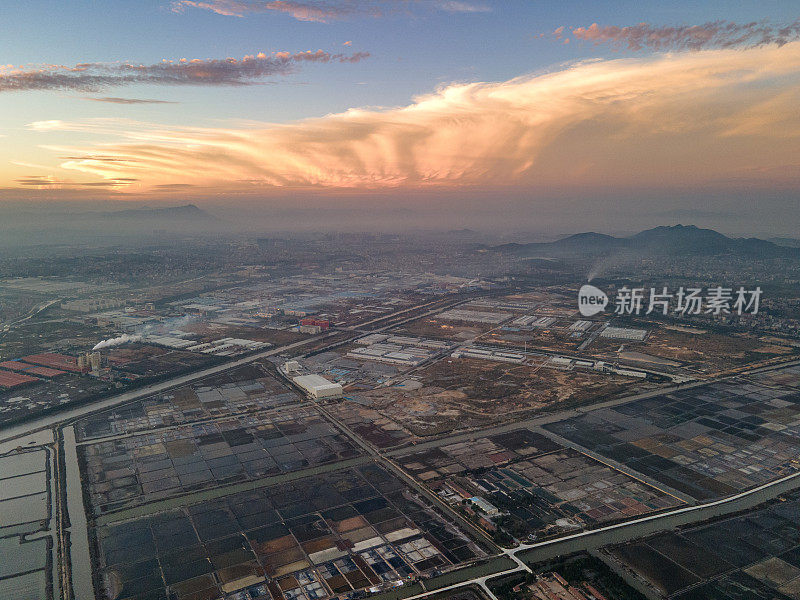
(89, 361)
(291, 367)
(318, 387)
(372, 338)
(323, 324)
(228, 346)
(624, 333)
(170, 341)
(398, 350)
(10, 379)
(489, 354)
(562, 362)
(533, 321)
(567, 363)
(392, 354)
(309, 329)
(485, 506)
(421, 342)
(474, 316)
(580, 326)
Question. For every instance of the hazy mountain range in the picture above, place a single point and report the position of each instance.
(673, 240)
(24, 228)
(170, 214)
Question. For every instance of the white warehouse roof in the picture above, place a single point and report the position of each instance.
(318, 386)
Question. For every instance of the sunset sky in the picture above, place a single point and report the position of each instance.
(238, 102)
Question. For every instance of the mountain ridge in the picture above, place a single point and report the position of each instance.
(671, 240)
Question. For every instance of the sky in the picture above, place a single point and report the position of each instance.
(555, 112)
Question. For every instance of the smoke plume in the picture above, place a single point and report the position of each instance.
(117, 341)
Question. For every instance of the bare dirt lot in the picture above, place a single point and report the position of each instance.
(463, 393)
(705, 351)
(443, 330)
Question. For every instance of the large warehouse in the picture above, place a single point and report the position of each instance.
(318, 387)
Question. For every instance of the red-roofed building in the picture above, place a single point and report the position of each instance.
(323, 324)
(15, 365)
(22, 367)
(44, 372)
(61, 362)
(9, 379)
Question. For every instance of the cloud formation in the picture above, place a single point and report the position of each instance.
(302, 11)
(711, 35)
(325, 11)
(456, 6)
(42, 182)
(117, 100)
(207, 72)
(691, 119)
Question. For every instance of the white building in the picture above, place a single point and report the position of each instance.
(291, 366)
(486, 506)
(624, 333)
(318, 387)
(482, 353)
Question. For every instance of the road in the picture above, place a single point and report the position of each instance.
(50, 420)
(69, 414)
(60, 419)
(541, 420)
(600, 536)
(32, 313)
(628, 530)
(614, 533)
(394, 315)
(410, 481)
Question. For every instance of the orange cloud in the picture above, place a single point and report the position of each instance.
(302, 11)
(714, 34)
(690, 119)
(325, 11)
(227, 71)
(48, 182)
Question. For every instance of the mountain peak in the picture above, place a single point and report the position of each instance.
(669, 240)
(184, 211)
(678, 235)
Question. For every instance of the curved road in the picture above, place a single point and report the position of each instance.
(636, 528)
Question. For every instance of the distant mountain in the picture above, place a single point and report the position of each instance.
(574, 244)
(785, 241)
(673, 240)
(55, 227)
(186, 212)
(464, 235)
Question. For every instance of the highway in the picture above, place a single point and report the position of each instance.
(32, 313)
(628, 530)
(69, 414)
(532, 552)
(410, 481)
(587, 539)
(80, 580)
